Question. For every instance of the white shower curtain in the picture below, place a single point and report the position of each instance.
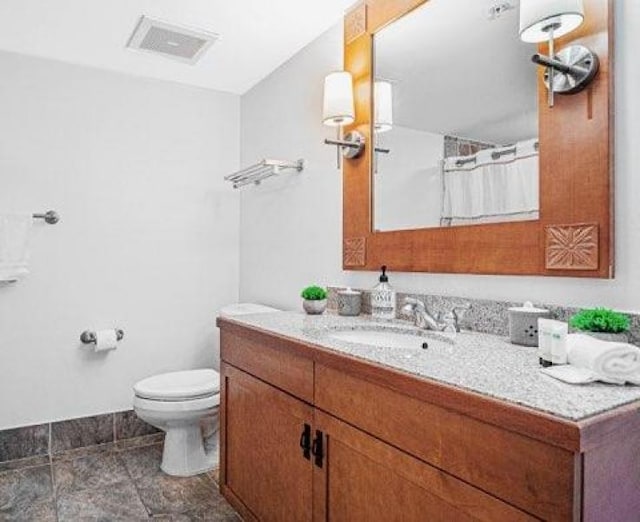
(492, 190)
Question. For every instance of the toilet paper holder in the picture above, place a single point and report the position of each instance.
(89, 337)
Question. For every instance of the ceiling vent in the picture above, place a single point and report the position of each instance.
(171, 41)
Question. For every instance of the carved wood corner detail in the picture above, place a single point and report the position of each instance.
(355, 22)
(354, 252)
(572, 247)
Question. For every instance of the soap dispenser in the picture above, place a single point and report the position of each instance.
(383, 298)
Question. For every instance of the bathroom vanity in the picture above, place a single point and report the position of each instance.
(315, 427)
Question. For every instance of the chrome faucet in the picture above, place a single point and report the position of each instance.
(423, 317)
(450, 322)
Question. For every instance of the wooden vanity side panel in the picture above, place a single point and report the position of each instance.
(266, 359)
(537, 478)
(611, 488)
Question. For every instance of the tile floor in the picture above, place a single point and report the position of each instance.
(109, 483)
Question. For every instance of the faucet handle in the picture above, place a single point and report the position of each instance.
(458, 313)
(412, 304)
(450, 323)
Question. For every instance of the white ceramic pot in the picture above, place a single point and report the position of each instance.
(314, 307)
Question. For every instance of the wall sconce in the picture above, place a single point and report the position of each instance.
(383, 106)
(572, 69)
(338, 111)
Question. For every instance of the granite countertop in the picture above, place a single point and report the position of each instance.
(477, 362)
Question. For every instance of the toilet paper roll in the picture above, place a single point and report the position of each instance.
(106, 340)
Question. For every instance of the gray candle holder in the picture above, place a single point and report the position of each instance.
(349, 302)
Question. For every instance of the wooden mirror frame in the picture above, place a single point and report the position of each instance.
(574, 235)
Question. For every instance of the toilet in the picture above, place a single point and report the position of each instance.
(176, 403)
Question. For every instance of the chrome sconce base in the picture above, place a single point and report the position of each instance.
(569, 71)
(352, 145)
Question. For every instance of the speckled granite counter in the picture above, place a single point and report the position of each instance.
(478, 362)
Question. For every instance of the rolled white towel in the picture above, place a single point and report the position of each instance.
(616, 363)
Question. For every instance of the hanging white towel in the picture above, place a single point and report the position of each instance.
(593, 360)
(15, 230)
(488, 190)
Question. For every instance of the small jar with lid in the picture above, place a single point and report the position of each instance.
(523, 323)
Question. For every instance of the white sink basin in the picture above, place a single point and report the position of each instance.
(387, 339)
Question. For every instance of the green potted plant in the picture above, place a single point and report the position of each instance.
(314, 300)
(602, 323)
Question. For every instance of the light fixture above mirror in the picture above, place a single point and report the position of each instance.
(571, 70)
(337, 108)
(338, 111)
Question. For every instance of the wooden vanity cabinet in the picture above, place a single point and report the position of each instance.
(304, 436)
(365, 479)
(286, 461)
(264, 466)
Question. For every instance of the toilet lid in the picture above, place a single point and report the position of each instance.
(190, 384)
(245, 309)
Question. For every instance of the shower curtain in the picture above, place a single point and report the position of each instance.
(490, 190)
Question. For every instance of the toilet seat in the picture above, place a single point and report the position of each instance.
(155, 405)
(185, 386)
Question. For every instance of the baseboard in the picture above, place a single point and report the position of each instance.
(52, 438)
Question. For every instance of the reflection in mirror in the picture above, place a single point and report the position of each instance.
(456, 118)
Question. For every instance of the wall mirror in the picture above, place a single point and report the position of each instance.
(456, 119)
(467, 168)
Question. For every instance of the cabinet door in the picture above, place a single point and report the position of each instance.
(263, 464)
(364, 479)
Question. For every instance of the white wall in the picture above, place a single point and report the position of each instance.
(407, 187)
(291, 230)
(148, 239)
(290, 226)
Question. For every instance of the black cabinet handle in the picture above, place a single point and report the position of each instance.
(317, 448)
(305, 442)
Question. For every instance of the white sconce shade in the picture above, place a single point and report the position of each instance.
(540, 17)
(383, 102)
(338, 108)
